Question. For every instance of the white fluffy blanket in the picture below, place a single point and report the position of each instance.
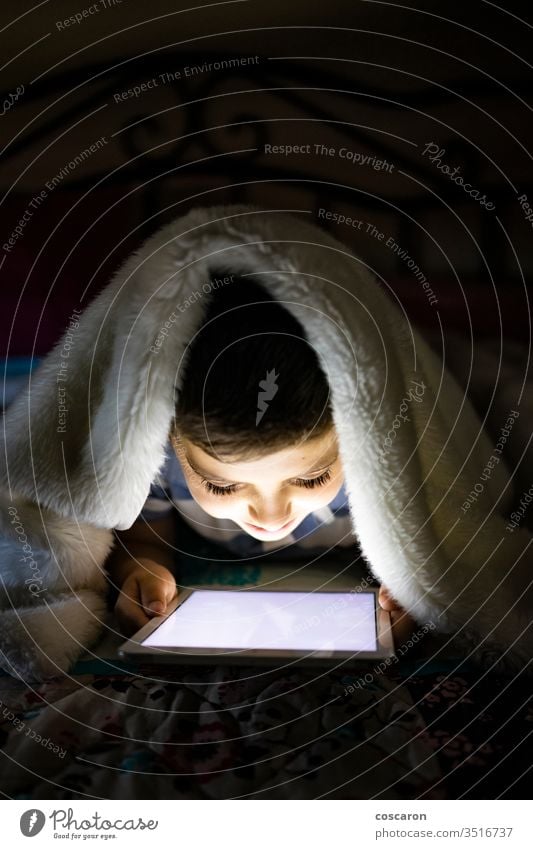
(84, 441)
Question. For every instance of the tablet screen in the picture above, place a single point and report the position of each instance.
(257, 619)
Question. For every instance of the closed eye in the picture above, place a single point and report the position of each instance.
(219, 490)
(312, 482)
(309, 483)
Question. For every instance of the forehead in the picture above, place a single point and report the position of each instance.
(289, 462)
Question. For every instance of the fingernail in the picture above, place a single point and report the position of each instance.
(156, 607)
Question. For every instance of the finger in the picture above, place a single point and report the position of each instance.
(171, 589)
(402, 626)
(130, 615)
(156, 592)
(385, 599)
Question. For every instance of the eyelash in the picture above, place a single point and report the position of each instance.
(309, 483)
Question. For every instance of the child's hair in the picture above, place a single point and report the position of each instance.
(251, 383)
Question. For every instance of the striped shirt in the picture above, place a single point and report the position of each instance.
(326, 528)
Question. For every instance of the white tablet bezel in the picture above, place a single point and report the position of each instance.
(133, 650)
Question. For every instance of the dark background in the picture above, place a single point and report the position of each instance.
(381, 79)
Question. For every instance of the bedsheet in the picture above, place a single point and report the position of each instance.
(231, 733)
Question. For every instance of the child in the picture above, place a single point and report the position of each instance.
(252, 460)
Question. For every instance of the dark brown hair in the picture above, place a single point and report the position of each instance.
(247, 337)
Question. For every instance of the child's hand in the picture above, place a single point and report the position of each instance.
(146, 592)
(402, 624)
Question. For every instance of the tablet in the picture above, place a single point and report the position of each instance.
(253, 625)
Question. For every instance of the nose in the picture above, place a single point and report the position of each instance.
(270, 516)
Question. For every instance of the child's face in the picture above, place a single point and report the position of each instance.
(270, 496)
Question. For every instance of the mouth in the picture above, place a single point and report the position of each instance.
(269, 531)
